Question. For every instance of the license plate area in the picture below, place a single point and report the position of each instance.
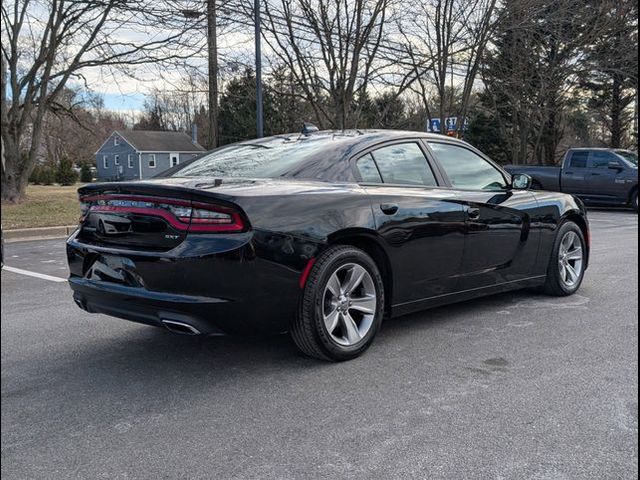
(113, 269)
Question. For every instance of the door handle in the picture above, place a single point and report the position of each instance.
(389, 208)
(473, 213)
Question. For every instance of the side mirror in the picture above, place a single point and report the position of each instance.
(521, 181)
(615, 165)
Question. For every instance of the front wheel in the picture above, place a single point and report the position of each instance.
(634, 201)
(342, 305)
(568, 261)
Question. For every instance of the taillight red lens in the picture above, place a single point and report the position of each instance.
(213, 218)
(180, 214)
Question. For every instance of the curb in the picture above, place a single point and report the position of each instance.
(39, 233)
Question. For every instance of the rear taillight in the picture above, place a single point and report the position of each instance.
(180, 214)
(213, 218)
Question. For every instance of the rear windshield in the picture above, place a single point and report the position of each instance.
(275, 157)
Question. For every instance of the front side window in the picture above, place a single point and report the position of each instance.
(466, 169)
(603, 159)
(404, 164)
(579, 159)
(152, 160)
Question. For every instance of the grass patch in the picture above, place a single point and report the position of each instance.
(45, 206)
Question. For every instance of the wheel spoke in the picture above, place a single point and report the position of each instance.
(573, 275)
(351, 329)
(334, 286)
(563, 272)
(575, 254)
(331, 320)
(366, 304)
(566, 243)
(354, 278)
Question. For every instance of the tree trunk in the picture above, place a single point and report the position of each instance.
(212, 64)
(15, 172)
(617, 108)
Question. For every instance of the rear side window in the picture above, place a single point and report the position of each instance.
(368, 170)
(579, 159)
(404, 163)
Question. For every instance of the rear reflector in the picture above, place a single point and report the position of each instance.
(305, 273)
(180, 214)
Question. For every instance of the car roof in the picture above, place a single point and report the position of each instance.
(351, 141)
(600, 149)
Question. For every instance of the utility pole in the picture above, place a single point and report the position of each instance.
(259, 109)
(212, 50)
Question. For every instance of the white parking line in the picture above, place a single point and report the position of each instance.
(34, 274)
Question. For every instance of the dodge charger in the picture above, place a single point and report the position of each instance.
(321, 235)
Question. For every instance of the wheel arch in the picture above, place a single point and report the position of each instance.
(370, 243)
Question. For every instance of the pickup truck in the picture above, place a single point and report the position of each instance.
(598, 176)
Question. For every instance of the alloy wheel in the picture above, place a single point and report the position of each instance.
(349, 304)
(571, 259)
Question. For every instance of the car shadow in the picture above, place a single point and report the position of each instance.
(139, 362)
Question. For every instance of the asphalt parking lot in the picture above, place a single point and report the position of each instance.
(509, 387)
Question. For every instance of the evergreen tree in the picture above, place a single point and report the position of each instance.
(65, 174)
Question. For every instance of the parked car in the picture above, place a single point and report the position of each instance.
(599, 176)
(321, 235)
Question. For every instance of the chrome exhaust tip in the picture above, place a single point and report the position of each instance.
(180, 327)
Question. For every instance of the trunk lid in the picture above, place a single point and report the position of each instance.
(152, 216)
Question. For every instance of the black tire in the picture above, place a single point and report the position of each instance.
(554, 285)
(634, 201)
(308, 330)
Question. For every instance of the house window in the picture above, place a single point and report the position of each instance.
(174, 160)
(105, 161)
(116, 141)
(130, 161)
(152, 160)
(116, 159)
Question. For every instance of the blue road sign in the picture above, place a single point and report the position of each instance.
(434, 125)
(450, 123)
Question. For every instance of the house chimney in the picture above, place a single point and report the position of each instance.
(194, 133)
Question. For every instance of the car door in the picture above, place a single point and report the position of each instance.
(500, 246)
(604, 182)
(575, 173)
(422, 225)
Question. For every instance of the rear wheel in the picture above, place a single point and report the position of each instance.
(342, 306)
(568, 261)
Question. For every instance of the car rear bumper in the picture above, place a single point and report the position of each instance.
(190, 289)
(150, 308)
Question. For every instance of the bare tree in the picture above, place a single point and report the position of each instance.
(330, 47)
(446, 41)
(48, 44)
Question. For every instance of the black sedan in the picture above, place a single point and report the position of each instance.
(322, 235)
